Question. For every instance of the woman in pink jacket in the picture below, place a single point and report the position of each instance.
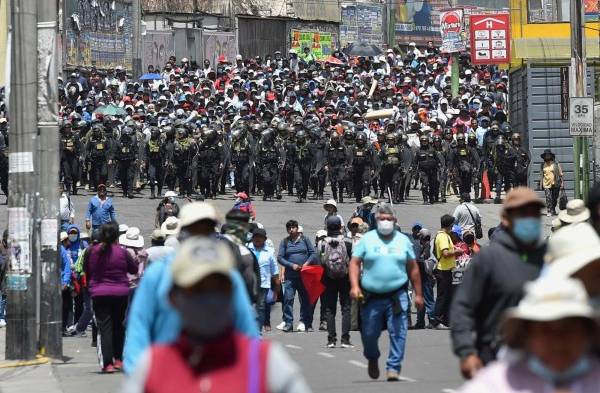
(552, 336)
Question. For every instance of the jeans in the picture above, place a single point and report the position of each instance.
(86, 315)
(290, 286)
(374, 313)
(445, 291)
(263, 309)
(2, 305)
(427, 283)
(334, 288)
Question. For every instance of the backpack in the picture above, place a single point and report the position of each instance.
(334, 256)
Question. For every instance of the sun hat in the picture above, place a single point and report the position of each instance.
(63, 236)
(546, 152)
(198, 258)
(170, 226)
(132, 238)
(547, 299)
(571, 248)
(321, 233)
(556, 224)
(197, 211)
(123, 228)
(158, 234)
(356, 220)
(170, 194)
(575, 212)
(367, 200)
(330, 202)
(521, 196)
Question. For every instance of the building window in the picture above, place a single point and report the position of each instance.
(548, 11)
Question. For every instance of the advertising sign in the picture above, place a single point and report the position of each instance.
(361, 23)
(320, 43)
(451, 28)
(490, 39)
(581, 116)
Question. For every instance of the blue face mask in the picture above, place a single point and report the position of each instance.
(527, 229)
(579, 368)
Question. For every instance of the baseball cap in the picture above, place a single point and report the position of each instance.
(197, 211)
(521, 196)
(198, 258)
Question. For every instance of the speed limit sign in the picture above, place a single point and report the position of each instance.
(581, 116)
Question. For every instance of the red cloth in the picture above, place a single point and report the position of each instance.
(485, 189)
(311, 276)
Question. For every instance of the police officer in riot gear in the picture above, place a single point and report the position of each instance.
(97, 154)
(126, 155)
(183, 153)
(522, 162)
(241, 159)
(317, 146)
(270, 163)
(464, 164)
(155, 158)
(362, 166)
(338, 159)
(301, 158)
(391, 170)
(70, 154)
(504, 160)
(210, 162)
(428, 164)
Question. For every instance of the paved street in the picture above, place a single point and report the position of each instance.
(429, 365)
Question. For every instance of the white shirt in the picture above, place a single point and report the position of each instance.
(67, 210)
(463, 217)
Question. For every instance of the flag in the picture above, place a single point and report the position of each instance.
(311, 278)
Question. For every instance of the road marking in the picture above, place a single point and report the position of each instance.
(406, 379)
(292, 346)
(325, 354)
(357, 363)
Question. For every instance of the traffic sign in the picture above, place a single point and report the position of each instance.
(581, 116)
(490, 38)
(451, 26)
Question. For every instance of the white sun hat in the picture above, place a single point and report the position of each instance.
(330, 202)
(575, 212)
(170, 226)
(132, 238)
(571, 248)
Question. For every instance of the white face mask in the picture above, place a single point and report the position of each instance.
(385, 227)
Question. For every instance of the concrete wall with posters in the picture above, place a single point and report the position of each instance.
(216, 43)
(97, 34)
(417, 21)
(157, 47)
(362, 22)
(321, 27)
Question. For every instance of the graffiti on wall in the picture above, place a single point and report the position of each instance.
(217, 44)
(98, 33)
(158, 46)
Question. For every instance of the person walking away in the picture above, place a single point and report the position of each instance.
(203, 295)
(65, 279)
(445, 253)
(387, 260)
(157, 250)
(554, 330)
(152, 319)
(295, 251)
(494, 281)
(335, 251)
(107, 267)
(269, 277)
(551, 181)
(320, 235)
(100, 210)
(67, 211)
(3, 268)
(426, 263)
(133, 242)
(467, 215)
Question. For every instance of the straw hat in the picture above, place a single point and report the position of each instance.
(330, 202)
(132, 238)
(571, 248)
(170, 226)
(197, 211)
(575, 212)
(198, 258)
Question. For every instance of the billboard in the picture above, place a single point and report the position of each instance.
(361, 23)
(591, 10)
(217, 44)
(98, 33)
(451, 29)
(157, 47)
(320, 43)
(490, 38)
(417, 20)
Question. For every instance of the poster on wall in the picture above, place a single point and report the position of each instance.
(320, 43)
(591, 10)
(451, 29)
(157, 48)
(417, 20)
(361, 23)
(217, 44)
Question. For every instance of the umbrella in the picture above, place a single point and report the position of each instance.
(111, 110)
(333, 60)
(363, 49)
(150, 77)
(311, 278)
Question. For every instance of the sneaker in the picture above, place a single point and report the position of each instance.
(441, 326)
(323, 326)
(373, 369)
(392, 376)
(83, 334)
(118, 365)
(331, 344)
(346, 344)
(301, 327)
(72, 330)
(109, 369)
(287, 328)
(2, 323)
(280, 326)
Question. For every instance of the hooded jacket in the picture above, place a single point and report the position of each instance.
(78, 245)
(493, 282)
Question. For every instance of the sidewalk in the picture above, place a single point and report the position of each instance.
(79, 372)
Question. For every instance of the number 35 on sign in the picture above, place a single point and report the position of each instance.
(581, 116)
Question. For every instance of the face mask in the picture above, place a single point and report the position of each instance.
(527, 229)
(579, 368)
(72, 238)
(385, 227)
(205, 315)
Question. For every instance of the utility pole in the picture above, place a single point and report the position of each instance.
(579, 76)
(22, 291)
(454, 71)
(47, 209)
(137, 39)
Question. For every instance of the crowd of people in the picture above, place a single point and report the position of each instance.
(379, 126)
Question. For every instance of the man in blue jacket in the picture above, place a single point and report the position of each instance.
(100, 210)
(151, 317)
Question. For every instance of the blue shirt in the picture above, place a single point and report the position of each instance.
(152, 319)
(296, 252)
(65, 266)
(100, 213)
(267, 264)
(480, 134)
(384, 262)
